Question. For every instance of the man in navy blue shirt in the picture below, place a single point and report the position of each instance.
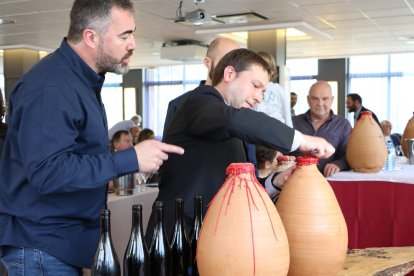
(52, 187)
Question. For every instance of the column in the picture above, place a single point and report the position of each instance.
(16, 63)
(335, 70)
(133, 79)
(274, 43)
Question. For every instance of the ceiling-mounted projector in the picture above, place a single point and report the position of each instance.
(197, 17)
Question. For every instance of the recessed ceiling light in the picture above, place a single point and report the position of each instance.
(304, 27)
(406, 38)
(291, 34)
(7, 21)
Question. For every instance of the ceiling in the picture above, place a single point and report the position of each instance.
(355, 26)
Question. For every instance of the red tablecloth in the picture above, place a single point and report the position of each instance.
(378, 213)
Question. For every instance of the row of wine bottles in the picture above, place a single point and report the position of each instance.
(161, 258)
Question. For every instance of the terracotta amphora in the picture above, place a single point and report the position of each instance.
(407, 134)
(366, 150)
(314, 223)
(242, 233)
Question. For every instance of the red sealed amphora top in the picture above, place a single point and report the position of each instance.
(242, 233)
(316, 229)
(366, 150)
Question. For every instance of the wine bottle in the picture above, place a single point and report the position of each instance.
(198, 219)
(160, 251)
(180, 245)
(105, 262)
(136, 258)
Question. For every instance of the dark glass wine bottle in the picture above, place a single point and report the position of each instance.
(160, 251)
(180, 245)
(105, 262)
(198, 220)
(136, 258)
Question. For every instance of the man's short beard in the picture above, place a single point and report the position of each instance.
(106, 63)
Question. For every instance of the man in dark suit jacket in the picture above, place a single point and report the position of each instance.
(354, 104)
(216, 50)
(211, 125)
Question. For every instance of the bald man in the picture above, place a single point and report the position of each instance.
(320, 121)
(386, 128)
(216, 50)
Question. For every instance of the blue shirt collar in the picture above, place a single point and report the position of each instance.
(80, 67)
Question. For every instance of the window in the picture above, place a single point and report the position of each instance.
(163, 84)
(384, 82)
(112, 98)
(303, 74)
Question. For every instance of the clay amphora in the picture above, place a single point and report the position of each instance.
(366, 150)
(314, 223)
(242, 233)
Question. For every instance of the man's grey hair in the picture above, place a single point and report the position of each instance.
(93, 14)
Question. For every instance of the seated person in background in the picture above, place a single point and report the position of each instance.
(269, 167)
(122, 125)
(266, 161)
(266, 164)
(146, 134)
(121, 140)
(135, 130)
(320, 121)
(386, 127)
(137, 119)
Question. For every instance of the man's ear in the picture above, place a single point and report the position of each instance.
(91, 38)
(229, 73)
(207, 63)
(267, 164)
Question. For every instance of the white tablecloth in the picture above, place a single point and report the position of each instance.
(403, 173)
(121, 215)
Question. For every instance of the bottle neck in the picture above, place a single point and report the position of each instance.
(158, 217)
(105, 223)
(137, 219)
(179, 212)
(198, 210)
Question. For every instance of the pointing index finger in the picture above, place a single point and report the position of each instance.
(168, 148)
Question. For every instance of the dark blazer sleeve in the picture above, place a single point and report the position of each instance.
(172, 108)
(208, 117)
(376, 118)
(373, 115)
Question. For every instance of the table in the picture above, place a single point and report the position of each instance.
(379, 261)
(378, 207)
(121, 215)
